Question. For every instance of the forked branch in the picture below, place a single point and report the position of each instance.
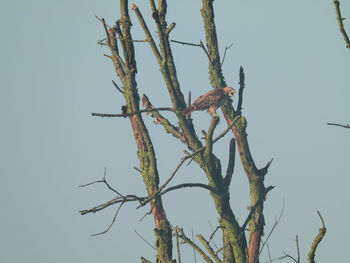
(182, 235)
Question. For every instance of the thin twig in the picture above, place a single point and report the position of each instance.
(131, 113)
(252, 210)
(185, 43)
(194, 45)
(209, 248)
(212, 236)
(115, 216)
(117, 87)
(159, 118)
(289, 256)
(172, 175)
(298, 250)
(105, 182)
(205, 50)
(319, 214)
(166, 182)
(106, 30)
(340, 125)
(116, 200)
(223, 58)
(149, 212)
(172, 188)
(272, 229)
(101, 20)
(178, 247)
(145, 240)
(214, 232)
(194, 252)
(185, 185)
(278, 258)
(268, 252)
(340, 23)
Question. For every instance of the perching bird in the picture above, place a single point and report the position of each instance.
(210, 101)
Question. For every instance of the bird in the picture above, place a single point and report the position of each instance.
(210, 101)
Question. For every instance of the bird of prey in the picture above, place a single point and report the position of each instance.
(210, 101)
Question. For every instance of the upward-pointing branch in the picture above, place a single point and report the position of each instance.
(340, 23)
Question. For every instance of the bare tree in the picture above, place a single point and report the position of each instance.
(236, 245)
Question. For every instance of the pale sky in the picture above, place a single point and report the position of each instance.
(53, 75)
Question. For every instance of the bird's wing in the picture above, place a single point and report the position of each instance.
(211, 98)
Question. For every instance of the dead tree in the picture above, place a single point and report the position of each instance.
(236, 245)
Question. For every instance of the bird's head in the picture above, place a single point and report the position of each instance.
(229, 91)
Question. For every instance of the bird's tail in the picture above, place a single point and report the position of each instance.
(187, 111)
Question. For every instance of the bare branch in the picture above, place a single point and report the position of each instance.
(189, 99)
(116, 200)
(143, 260)
(215, 140)
(193, 245)
(185, 43)
(194, 251)
(131, 113)
(209, 138)
(340, 23)
(252, 210)
(117, 87)
(340, 125)
(101, 20)
(105, 182)
(223, 58)
(178, 247)
(214, 232)
(263, 171)
(268, 251)
(147, 33)
(240, 92)
(231, 162)
(145, 240)
(289, 256)
(298, 250)
(115, 216)
(208, 248)
(172, 175)
(273, 228)
(317, 240)
(169, 128)
(172, 188)
(194, 45)
(169, 28)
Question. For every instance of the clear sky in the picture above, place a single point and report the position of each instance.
(53, 75)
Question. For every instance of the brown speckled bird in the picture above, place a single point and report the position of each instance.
(210, 101)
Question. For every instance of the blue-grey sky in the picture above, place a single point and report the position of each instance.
(53, 75)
